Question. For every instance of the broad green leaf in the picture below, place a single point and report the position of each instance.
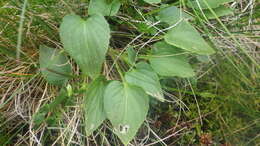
(170, 61)
(146, 79)
(86, 41)
(185, 36)
(144, 65)
(126, 107)
(220, 11)
(172, 15)
(104, 7)
(197, 4)
(93, 105)
(54, 65)
(153, 1)
(131, 55)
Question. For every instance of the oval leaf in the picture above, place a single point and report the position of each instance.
(93, 105)
(86, 41)
(169, 61)
(54, 65)
(148, 80)
(126, 107)
(144, 65)
(172, 15)
(185, 36)
(104, 7)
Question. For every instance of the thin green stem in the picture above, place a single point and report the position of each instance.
(20, 31)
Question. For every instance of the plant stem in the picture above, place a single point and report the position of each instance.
(20, 31)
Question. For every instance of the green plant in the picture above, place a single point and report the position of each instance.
(124, 103)
(218, 106)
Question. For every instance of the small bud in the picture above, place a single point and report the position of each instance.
(69, 90)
